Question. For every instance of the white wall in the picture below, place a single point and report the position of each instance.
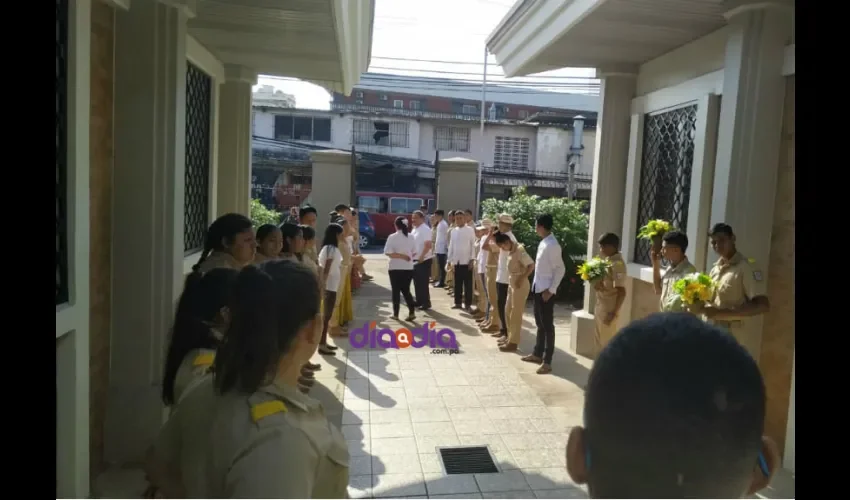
(481, 151)
(553, 148)
(341, 134)
(703, 55)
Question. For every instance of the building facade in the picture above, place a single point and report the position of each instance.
(521, 144)
(696, 127)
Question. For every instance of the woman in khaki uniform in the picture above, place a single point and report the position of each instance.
(229, 242)
(494, 324)
(291, 250)
(520, 267)
(267, 439)
(269, 243)
(199, 323)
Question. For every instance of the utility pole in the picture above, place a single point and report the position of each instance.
(481, 140)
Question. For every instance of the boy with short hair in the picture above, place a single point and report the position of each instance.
(674, 408)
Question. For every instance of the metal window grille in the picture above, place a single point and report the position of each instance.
(196, 207)
(511, 153)
(665, 173)
(451, 139)
(381, 133)
(62, 286)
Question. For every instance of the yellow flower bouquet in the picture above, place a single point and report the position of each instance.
(593, 269)
(694, 288)
(653, 231)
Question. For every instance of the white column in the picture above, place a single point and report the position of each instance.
(150, 131)
(233, 184)
(750, 128)
(609, 185)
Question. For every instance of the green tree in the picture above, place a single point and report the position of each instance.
(570, 229)
(260, 214)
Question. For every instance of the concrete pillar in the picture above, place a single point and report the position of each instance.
(233, 185)
(457, 184)
(609, 186)
(332, 180)
(147, 245)
(749, 134)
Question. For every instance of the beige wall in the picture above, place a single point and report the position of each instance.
(697, 58)
(777, 350)
(100, 216)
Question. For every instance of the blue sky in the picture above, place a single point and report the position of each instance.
(438, 30)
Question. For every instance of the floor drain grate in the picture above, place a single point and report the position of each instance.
(467, 460)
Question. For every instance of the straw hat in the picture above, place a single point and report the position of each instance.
(506, 219)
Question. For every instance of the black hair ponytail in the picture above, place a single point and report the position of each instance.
(401, 225)
(270, 305)
(203, 297)
(224, 228)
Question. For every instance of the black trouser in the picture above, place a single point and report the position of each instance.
(544, 317)
(441, 261)
(328, 305)
(501, 302)
(421, 273)
(400, 284)
(463, 284)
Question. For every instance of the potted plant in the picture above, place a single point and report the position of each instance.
(653, 231)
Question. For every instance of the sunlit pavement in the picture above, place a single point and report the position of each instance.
(397, 407)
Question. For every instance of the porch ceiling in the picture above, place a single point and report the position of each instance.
(541, 35)
(327, 42)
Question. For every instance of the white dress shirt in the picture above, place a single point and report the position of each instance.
(549, 267)
(421, 235)
(399, 242)
(334, 274)
(502, 274)
(442, 243)
(483, 253)
(462, 249)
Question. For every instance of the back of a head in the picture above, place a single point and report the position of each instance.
(306, 210)
(674, 409)
(270, 305)
(202, 300)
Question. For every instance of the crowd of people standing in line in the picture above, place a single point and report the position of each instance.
(258, 306)
(484, 268)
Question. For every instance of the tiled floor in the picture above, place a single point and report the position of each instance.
(397, 407)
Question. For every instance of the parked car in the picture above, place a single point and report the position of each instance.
(367, 229)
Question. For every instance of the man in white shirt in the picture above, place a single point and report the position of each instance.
(461, 256)
(503, 277)
(421, 260)
(549, 270)
(441, 246)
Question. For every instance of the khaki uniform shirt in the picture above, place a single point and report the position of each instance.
(737, 281)
(260, 258)
(219, 259)
(195, 365)
(518, 262)
(606, 298)
(670, 301)
(275, 443)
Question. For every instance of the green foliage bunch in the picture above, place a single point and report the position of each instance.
(260, 214)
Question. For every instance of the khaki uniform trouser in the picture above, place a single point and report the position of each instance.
(514, 309)
(482, 296)
(334, 322)
(603, 333)
(493, 294)
(743, 335)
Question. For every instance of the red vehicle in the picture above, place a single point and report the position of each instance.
(385, 207)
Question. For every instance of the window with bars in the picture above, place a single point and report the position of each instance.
(196, 207)
(451, 139)
(302, 128)
(62, 285)
(415, 105)
(381, 133)
(511, 153)
(665, 172)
